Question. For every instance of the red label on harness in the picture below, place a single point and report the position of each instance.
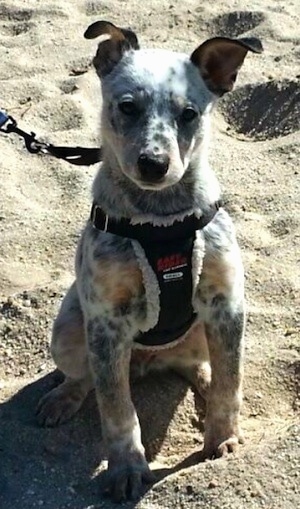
(171, 262)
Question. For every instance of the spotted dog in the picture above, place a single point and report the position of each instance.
(154, 190)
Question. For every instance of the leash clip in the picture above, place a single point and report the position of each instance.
(9, 125)
(73, 155)
(31, 143)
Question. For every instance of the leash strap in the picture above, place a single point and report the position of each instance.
(73, 155)
(80, 156)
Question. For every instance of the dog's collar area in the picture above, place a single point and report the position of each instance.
(147, 232)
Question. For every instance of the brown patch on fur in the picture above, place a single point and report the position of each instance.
(218, 275)
(190, 347)
(110, 51)
(193, 341)
(120, 282)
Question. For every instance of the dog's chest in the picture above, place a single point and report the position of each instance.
(152, 283)
(171, 283)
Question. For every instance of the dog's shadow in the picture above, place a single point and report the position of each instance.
(58, 467)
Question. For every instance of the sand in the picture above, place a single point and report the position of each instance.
(48, 84)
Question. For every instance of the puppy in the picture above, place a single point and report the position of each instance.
(159, 277)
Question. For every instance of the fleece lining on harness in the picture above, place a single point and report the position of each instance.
(170, 258)
(172, 264)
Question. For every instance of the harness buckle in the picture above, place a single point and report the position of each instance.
(104, 218)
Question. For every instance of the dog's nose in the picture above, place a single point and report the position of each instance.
(153, 168)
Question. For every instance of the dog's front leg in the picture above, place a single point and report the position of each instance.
(224, 330)
(110, 352)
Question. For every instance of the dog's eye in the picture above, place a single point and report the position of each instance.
(128, 107)
(189, 114)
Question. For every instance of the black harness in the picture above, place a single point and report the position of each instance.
(169, 251)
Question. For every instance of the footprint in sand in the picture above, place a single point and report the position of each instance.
(96, 7)
(15, 29)
(62, 116)
(284, 225)
(15, 21)
(8, 13)
(236, 23)
(264, 111)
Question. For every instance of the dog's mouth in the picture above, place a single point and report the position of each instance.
(153, 179)
(154, 185)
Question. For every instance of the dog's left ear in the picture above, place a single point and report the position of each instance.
(220, 58)
(110, 51)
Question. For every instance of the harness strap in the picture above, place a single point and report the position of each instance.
(147, 232)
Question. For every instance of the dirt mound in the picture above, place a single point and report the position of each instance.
(264, 111)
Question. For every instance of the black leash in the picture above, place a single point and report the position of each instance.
(73, 155)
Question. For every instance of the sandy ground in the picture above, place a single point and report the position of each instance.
(48, 84)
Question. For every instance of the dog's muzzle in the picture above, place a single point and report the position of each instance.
(153, 168)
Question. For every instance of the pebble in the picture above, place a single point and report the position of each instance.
(259, 395)
(189, 489)
(256, 493)
(213, 484)
(71, 490)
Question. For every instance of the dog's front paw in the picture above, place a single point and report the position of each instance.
(220, 440)
(126, 475)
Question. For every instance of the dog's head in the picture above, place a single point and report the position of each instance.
(156, 103)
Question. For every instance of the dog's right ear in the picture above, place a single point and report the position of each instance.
(111, 50)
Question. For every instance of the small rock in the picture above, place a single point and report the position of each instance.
(71, 490)
(256, 493)
(189, 489)
(213, 484)
(289, 332)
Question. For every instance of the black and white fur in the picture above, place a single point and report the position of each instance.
(154, 131)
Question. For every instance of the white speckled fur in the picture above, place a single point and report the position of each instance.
(115, 295)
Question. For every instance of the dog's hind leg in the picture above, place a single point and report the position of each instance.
(193, 362)
(69, 353)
